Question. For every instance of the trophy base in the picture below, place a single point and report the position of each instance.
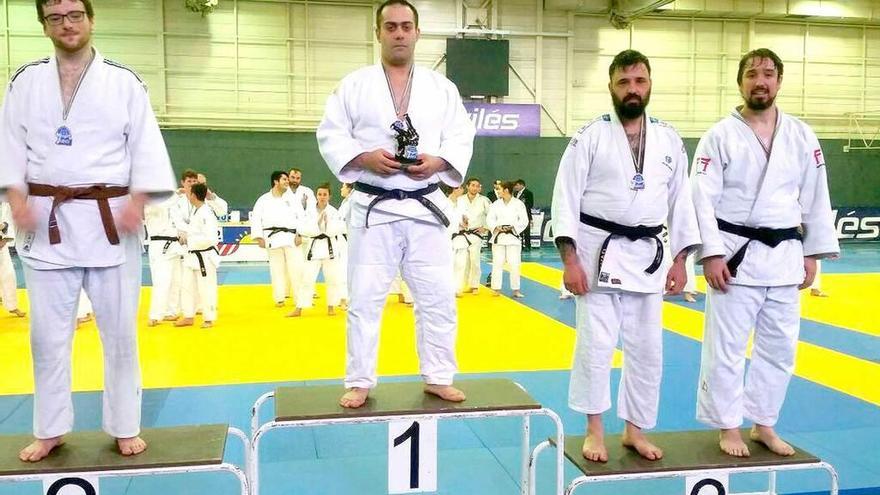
(406, 162)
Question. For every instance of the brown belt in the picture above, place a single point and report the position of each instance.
(60, 194)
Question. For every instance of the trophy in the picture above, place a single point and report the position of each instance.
(407, 142)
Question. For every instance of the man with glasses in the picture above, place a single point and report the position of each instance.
(81, 153)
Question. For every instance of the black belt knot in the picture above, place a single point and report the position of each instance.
(632, 233)
(399, 194)
(764, 235)
(198, 253)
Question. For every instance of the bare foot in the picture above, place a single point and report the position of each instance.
(594, 449)
(688, 297)
(496, 293)
(475, 290)
(207, 324)
(445, 392)
(85, 319)
(767, 436)
(279, 304)
(293, 314)
(354, 398)
(458, 294)
(19, 313)
(184, 322)
(343, 304)
(39, 449)
(170, 318)
(331, 311)
(152, 323)
(818, 293)
(634, 438)
(131, 446)
(517, 294)
(731, 443)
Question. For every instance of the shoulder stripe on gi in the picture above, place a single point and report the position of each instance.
(120, 66)
(25, 66)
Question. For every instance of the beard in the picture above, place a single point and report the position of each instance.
(631, 107)
(85, 36)
(755, 104)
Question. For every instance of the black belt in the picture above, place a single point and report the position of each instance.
(631, 233)
(505, 229)
(765, 235)
(168, 240)
(275, 230)
(329, 245)
(198, 253)
(400, 195)
(465, 233)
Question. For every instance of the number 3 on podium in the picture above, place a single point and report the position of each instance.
(412, 456)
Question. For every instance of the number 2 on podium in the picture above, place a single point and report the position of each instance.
(412, 456)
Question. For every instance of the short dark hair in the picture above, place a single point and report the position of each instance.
(387, 3)
(276, 176)
(628, 58)
(473, 179)
(200, 191)
(325, 185)
(296, 170)
(507, 185)
(90, 11)
(760, 53)
(520, 182)
(189, 174)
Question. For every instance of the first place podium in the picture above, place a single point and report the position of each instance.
(298, 407)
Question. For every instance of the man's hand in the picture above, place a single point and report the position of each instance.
(378, 161)
(428, 166)
(131, 218)
(810, 269)
(482, 230)
(181, 237)
(210, 196)
(297, 240)
(22, 214)
(574, 277)
(2, 243)
(261, 242)
(677, 276)
(716, 272)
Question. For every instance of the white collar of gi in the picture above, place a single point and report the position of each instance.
(616, 119)
(96, 62)
(736, 114)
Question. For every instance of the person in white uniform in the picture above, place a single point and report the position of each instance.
(761, 195)
(396, 130)
(165, 252)
(300, 193)
(507, 220)
(274, 221)
(622, 177)
(320, 232)
(342, 241)
(690, 289)
(816, 287)
(199, 276)
(8, 280)
(460, 241)
(81, 153)
(474, 208)
(217, 204)
(181, 213)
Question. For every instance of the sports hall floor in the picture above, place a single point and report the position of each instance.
(196, 376)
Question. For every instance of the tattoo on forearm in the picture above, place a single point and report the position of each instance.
(566, 247)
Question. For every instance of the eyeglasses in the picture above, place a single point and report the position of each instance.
(74, 17)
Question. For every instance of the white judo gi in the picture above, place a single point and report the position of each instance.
(321, 231)
(276, 220)
(113, 140)
(303, 196)
(624, 300)
(218, 205)
(342, 246)
(475, 210)
(734, 181)
(8, 281)
(165, 253)
(506, 246)
(199, 278)
(403, 234)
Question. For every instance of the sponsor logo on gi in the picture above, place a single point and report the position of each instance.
(615, 281)
(603, 277)
(703, 162)
(28, 242)
(820, 160)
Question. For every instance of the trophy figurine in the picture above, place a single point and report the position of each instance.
(407, 142)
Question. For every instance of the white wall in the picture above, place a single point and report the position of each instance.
(269, 64)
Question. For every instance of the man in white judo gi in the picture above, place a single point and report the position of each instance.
(300, 193)
(396, 149)
(81, 153)
(474, 207)
(508, 221)
(622, 176)
(274, 222)
(198, 286)
(761, 196)
(8, 281)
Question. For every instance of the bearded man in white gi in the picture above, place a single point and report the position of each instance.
(622, 176)
(396, 130)
(300, 193)
(8, 281)
(474, 207)
(758, 176)
(81, 154)
(274, 222)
